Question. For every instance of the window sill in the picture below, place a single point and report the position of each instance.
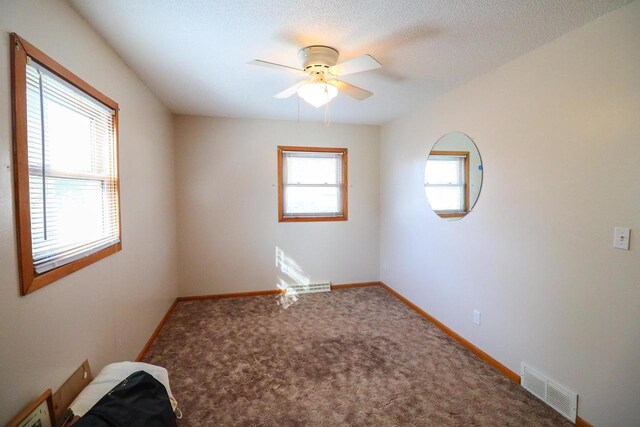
(451, 215)
(31, 282)
(313, 219)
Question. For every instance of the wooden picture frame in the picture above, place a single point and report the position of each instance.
(38, 413)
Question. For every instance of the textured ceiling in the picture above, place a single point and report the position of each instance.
(193, 53)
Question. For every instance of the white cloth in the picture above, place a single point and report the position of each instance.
(110, 376)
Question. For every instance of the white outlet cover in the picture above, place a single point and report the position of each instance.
(621, 238)
(476, 317)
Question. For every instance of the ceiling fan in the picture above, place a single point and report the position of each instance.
(320, 63)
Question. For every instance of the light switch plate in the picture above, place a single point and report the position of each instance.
(621, 238)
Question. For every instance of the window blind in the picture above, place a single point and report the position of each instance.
(312, 184)
(73, 171)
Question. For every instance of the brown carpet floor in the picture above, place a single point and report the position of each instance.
(350, 357)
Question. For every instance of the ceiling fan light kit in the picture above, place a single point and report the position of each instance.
(317, 93)
(320, 63)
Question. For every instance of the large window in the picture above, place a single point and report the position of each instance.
(66, 169)
(312, 184)
(446, 182)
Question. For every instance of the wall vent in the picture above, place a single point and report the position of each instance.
(308, 288)
(553, 394)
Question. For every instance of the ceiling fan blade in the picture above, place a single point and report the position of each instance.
(351, 90)
(355, 65)
(289, 92)
(267, 64)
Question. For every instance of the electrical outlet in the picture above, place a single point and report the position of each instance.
(621, 238)
(476, 317)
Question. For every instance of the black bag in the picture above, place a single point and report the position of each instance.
(138, 401)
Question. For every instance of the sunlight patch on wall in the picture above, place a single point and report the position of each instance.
(294, 276)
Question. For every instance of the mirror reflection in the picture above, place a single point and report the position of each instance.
(453, 176)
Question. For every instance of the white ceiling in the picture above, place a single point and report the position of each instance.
(193, 54)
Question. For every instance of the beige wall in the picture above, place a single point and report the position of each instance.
(559, 134)
(106, 311)
(228, 229)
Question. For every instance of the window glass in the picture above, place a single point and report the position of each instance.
(312, 200)
(444, 171)
(312, 170)
(445, 198)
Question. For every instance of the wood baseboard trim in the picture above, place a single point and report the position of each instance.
(582, 423)
(268, 292)
(353, 285)
(232, 295)
(155, 333)
(453, 334)
(484, 356)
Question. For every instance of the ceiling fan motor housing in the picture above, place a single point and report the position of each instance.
(318, 58)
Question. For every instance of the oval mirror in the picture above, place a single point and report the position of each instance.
(453, 176)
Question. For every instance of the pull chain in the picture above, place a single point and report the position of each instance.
(327, 108)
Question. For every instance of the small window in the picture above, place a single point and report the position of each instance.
(446, 182)
(312, 184)
(66, 169)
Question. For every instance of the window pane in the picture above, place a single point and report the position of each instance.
(312, 200)
(74, 214)
(312, 169)
(443, 171)
(445, 198)
(69, 142)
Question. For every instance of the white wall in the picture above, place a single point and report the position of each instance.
(107, 311)
(228, 228)
(559, 134)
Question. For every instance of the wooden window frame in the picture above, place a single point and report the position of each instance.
(466, 155)
(21, 49)
(345, 198)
